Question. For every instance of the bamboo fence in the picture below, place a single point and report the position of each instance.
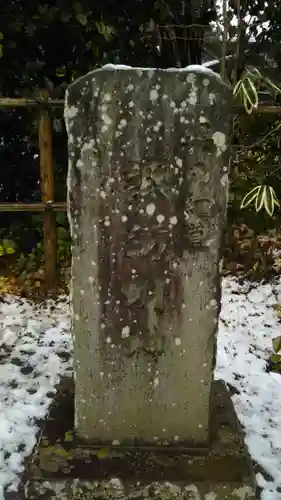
(47, 204)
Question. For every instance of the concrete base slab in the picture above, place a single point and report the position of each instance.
(64, 468)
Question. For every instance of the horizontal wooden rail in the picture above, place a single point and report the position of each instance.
(22, 102)
(13, 102)
(33, 207)
(266, 109)
(42, 102)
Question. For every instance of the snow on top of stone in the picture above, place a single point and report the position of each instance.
(214, 62)
(208, 64)
(193, 68)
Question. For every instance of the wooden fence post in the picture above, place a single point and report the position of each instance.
(47, 192)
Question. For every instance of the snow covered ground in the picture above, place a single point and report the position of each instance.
(35, 343)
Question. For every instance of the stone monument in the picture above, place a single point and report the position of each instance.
(147, 193)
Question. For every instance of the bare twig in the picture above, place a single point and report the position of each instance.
(238, 42)
(224, 40)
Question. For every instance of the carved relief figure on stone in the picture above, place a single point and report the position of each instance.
(145, 268)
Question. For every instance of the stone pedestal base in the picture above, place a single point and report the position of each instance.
(64, 468)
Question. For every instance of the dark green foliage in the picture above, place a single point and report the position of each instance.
(47, 45)
(256, 160)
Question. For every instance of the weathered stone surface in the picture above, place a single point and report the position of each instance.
(147, 190)
(114, 489)
(64, 468)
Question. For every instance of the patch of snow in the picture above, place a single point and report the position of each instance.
(33, 339)
(192, 68)
(116, 66)
(36, 340)
(214, 62)
(248, 323)
(196, 68)
(209, 64)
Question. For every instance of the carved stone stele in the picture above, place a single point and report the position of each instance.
(147, 193)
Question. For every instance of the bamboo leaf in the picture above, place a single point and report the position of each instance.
(276, 343)
(276, 201)
(246, 100)
(268, 201)
(253, 89)
(250, 196)
(259, 203)
(237, 88)
(263, 196)
(82, 18)
(254, 73)
(274, 87)
(275, 358)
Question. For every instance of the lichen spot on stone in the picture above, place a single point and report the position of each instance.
(212, 98)
(191, 78)
(177, 341)
(160, 218)
(72, 111)
(224, 180)
(156, 382)
(125, 333)
(220, 142)
(116, 443)
(211, 304)
(153, 95)
(157, 127)
(79, 164)
(192, 99)
(211, 496)
(122, 123)
(106, 221)
(203, 119)
(107, 97)
(104, 108)
(106, 119)
(150, 209)
(173, 220)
